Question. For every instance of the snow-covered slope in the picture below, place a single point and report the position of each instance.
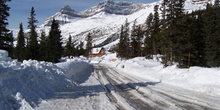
(104, 20)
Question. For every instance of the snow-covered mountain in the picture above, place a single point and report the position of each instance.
(104, 20)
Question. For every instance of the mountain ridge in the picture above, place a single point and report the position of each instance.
(104, 23)
(109, 7)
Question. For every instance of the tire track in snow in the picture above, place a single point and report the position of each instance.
(131, 96)
(113, 96)
(180, 99)
(157, 97)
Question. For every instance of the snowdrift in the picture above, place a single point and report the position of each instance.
(200, 79)
(25, 85)
(76, 69)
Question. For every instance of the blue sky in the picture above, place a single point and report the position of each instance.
(20, 9)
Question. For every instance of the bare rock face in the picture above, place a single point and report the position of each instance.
(66, 13)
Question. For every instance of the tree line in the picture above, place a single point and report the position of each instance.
(48, 48)
(31, 46)
(189, 39)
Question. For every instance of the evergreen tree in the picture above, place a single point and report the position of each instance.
(120, 49)
(155, 30)
(11, 45)
(33, 43)
(88, 45)
(80, 49)
(20, 46)
(43, 47)
(4, 32)
(212, 37)
(69, 48)
(136, 35)
(198, 40)
(148, 41)
(123, 50)
(194, 56)
(126, 39)
(134, 41)
(54, 45)
(164, 39)
(185, 41)
(174, 14)
(139, 39)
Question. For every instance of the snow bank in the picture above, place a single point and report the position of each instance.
(23, 85)
(77, 69)
(205, 80)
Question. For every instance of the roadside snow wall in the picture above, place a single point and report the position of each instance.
(76, 69)
(24, 85)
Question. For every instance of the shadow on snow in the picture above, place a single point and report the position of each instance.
(95, 90)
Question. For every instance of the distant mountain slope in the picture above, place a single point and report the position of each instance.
(104, 20)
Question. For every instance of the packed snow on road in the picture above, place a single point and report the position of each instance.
(105, 83)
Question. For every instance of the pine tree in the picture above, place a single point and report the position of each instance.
(139, 39)
(174, 14)
(123, 50)
(121, 44)
(4, 32)
(199, 40)
(81, 50)
(134, 42)
(20, 46)
(164, 39)
(184, 42)
(88, 45)
(148, 41)
(69, 48)
(212, 37)
(194, 53)
(33, 47)
(11, 45)
(126, 40)
(43, 47)
(136, 35)
(155, 30)
(54, 45)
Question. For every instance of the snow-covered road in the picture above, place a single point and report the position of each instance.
(108, 88)
(137, 93)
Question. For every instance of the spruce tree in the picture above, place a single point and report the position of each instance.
(88, 45)
(54, 45)
(136, 35)
(195, 27)
(123, 50)
(134, 42)
(148, 51)
(126, 40)
(155, 30)
(184, 42)
(139, 39)
(20, 46)
(4, 32)
(33, 47)
(11, 45)
(174, 14)
(164, 39)
(43, 47)
(120, 49)
(69, 49)
(80, 49)
(212, 37)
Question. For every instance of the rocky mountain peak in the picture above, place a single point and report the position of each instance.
(119, 8)
(68, 11)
